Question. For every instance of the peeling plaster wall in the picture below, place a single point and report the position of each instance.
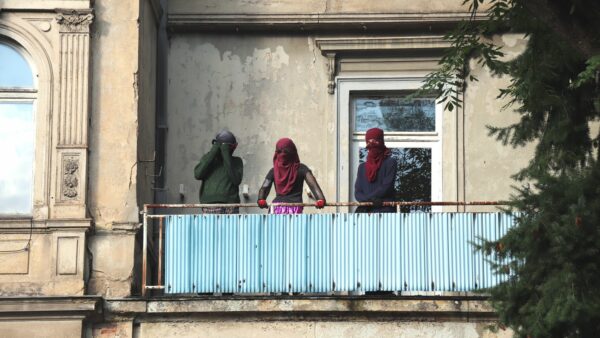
(36, 328)
(114, 132)
(264, 87)
(488, 163)
(261, 88)
(114, 120)
(320, 329)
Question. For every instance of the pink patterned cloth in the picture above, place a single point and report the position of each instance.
(284, 209)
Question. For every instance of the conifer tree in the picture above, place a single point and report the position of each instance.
(553, 252)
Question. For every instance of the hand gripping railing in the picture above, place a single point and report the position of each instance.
(160, 217)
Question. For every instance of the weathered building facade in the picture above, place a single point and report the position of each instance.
(124, 97)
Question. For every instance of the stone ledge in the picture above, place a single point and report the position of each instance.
(44, 4)
(50, 306)
(124, 306)
(449, 306)
(311, 22)
(8, 225)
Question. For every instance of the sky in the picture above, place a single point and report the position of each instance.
(14, 69)
(17, 136)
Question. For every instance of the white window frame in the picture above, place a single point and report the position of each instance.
(349, 141)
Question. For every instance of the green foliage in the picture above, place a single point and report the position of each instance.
(589, 74)
(554, 258)
(554, 250)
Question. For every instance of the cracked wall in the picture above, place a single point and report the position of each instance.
(121, 137)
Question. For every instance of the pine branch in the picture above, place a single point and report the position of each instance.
(566, 27)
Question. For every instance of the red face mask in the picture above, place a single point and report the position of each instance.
(377, 152)
(285, 165)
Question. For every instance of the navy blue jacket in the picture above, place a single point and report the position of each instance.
(382, 188)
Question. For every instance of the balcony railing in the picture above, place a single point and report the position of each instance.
(323, 253)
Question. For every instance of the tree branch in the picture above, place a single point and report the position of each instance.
(571, 31)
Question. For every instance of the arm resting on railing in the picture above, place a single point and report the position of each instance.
(263, 192)
(314, 186)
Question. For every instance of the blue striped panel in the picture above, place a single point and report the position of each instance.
(320, 253)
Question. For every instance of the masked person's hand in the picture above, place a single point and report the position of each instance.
(224, 146)
(320, 204)
(262, 204)
(377, 202)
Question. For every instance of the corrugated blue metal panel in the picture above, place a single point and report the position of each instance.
(367, 255)
(343, 255)
(391, 275)
(460, 252)
(329, 252)
(296, 253)
(178, 254)
(274, 253)
(319, 251)
(415, 243)
(250, 254)
(437, 260)
(203, 242)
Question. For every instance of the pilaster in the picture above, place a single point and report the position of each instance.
(72, 116)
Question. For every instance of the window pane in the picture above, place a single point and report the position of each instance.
(16, 151)
(413, 175)
(393, 113)
(14, 69)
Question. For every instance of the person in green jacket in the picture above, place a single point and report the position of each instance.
(221, 174)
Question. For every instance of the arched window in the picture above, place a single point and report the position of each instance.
(18, 95)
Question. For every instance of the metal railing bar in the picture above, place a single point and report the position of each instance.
(329, 204)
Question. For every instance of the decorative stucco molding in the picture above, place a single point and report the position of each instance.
(393, 43)
(330, 72)
(70, 184)
(74, 76)
(44, 25)
(74, 21)
(334, 48)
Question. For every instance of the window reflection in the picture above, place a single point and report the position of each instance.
(413, 175)
(14, 69)
(16, 150)
(394, 112)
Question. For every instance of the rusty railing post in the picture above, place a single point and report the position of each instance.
(144, 250)
(160, 250)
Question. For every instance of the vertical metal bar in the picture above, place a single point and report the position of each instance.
(160, 250)
(144, 251)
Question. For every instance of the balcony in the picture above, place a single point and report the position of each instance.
(330, 253)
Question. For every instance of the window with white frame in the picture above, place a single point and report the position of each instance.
(18, 95)
(412, 128)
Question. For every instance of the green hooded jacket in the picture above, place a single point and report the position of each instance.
(221, 175)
